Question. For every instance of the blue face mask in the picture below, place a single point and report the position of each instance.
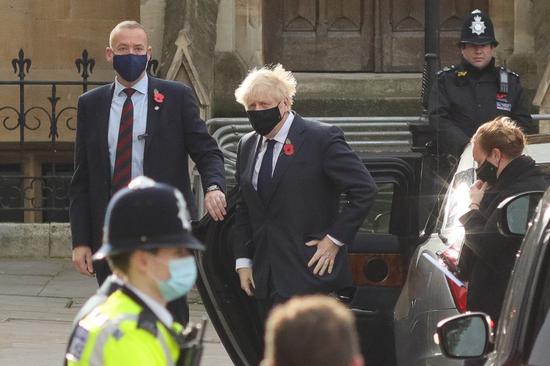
(183, 273)
(130, 67)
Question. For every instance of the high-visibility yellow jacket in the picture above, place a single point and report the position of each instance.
(115, 334)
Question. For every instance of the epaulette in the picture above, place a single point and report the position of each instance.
(508, 71)
(446, 69)
(147, 321)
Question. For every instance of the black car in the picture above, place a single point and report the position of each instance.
(523, 333)
(378, 257)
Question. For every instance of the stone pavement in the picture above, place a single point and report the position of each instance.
(38, 300)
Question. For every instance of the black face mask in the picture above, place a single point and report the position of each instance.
(487, 172)
(265, 120)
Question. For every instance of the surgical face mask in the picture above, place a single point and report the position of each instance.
(487, 172)
(183, 273)
(265, 120)
(130, 66)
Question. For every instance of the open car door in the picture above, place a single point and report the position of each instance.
(378, 258)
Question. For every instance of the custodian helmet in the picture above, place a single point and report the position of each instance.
(146, 215)
(478, 29)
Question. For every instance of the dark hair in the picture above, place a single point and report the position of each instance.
(121, 261)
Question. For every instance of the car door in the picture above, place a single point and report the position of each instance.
(378, 258)
(527, 298)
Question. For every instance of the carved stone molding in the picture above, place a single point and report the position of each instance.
(542, 98)
(183, 69)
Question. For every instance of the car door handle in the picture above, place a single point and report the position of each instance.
(364, 312)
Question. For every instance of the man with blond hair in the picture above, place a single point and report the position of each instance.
(311, 330)
(291, 235)
(487, 258)
(137, 125)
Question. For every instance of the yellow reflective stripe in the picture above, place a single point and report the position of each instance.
(165, 349)
(96, 357)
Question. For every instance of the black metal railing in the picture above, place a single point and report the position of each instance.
(32, 125)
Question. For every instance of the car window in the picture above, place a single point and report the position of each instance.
(455, 205)
(539, 354)
(522, 290)
(378, 219)
(540, 323)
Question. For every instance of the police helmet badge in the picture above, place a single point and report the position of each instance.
(478, 26)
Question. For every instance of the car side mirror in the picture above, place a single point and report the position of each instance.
(465, 336)
(515, 213)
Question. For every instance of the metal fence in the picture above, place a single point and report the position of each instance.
(36, 164)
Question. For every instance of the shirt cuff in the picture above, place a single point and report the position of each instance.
(243, 263)
(335, 241)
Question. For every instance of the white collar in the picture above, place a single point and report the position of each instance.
(160, 311)
(283, 132)
(141, 86)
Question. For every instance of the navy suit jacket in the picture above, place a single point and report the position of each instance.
(174, 131)
(304, 205)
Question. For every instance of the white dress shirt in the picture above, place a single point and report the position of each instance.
(139, 100)
(280, 139)
(160, 311)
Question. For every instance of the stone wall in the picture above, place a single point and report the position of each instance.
(541, 12)
(502, 15)
(152, 18)
(188, 46)
(35, 240)
(238, 49)
(53, 35)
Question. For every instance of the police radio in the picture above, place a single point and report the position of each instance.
(192, 347)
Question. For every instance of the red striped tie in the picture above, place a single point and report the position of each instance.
(122, 173)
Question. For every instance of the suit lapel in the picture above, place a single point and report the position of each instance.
(153, 115)
(295, 138)
(103, 113)
(255, 144)
(254, 148)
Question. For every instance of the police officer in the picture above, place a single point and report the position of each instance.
(148, 242)
(466, 96)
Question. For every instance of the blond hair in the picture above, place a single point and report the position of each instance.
(126, 24)
(501, 133)
(273, 81)
(295, 330)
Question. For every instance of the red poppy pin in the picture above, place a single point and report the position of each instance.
(288, 148)
(158, 97)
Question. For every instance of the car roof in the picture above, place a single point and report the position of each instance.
(538, 147)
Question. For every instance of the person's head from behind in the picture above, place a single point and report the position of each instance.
(311, 330)
(148, 239)
(267, 95)
(495, 144)
(128, 51)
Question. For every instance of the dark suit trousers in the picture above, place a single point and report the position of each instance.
(178, 308)
(265, 305)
